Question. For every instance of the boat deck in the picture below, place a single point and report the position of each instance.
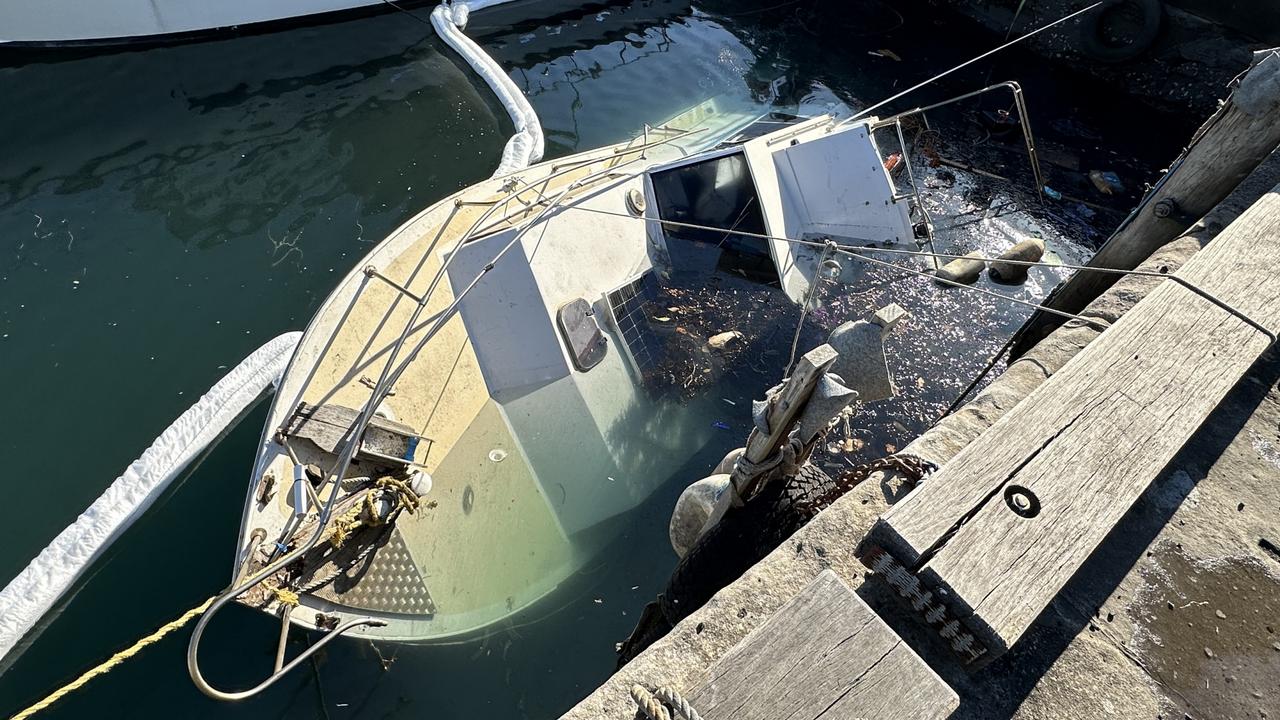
(486, 508)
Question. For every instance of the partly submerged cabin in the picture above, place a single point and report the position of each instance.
(542, 410)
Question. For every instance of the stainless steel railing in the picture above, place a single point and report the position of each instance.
(386, 380)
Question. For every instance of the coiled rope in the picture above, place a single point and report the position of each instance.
(654, 704)
(112, 662)
(365, 513)
(648, 704)
(678, 703)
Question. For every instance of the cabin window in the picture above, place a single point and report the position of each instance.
(719, 196)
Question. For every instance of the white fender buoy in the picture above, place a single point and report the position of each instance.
(525, 147)
(699, 508)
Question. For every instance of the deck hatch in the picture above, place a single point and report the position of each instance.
(587, 343)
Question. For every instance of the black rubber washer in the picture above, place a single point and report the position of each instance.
(1121, 30)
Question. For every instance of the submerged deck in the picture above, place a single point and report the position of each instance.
(485, 409)
(1144, 580)
(485, 508)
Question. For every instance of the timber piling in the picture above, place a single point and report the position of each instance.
(1223, 152)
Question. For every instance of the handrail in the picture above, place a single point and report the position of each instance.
(193, 665)
(862, 252)
(386, 380)
(1024, 119)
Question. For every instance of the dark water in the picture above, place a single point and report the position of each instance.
(164, 212)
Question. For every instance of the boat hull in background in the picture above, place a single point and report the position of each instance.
(74, 23)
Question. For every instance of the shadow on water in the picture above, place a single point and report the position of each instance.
(164, 212)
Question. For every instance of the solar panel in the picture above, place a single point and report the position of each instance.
(629, 308)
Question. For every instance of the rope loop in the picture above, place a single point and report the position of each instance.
(654, 705)
(648, 704)
(784, 462)
(672, 698)
(405, 494)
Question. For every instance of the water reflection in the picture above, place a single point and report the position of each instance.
(164, 212)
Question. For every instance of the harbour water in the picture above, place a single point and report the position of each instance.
(165, 211)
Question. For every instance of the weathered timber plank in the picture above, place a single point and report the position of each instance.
(823, 654)
(1089, 441)
(327, 426)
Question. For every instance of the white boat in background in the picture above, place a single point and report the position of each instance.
(41, 23)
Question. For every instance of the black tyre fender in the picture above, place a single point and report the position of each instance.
(741, 539)
(1146, 17)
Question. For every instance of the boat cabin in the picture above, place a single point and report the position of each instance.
(604, 304)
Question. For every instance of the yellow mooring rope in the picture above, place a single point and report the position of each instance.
(114, 660)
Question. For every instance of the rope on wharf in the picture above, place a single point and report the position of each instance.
(654, 704)
(648, 704)
(681, 706)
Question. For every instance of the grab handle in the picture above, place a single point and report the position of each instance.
(193, 650)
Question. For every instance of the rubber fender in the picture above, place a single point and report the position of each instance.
(1029, 250)
(1147, 17)
(741, 539)
(964, 269)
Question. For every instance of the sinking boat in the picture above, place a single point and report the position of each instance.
(477, 404)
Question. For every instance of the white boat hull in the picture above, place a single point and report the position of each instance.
(536, 444)
(40, 23)
(72, 21)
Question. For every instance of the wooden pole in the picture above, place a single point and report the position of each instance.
(1222, 153)
(784, 411)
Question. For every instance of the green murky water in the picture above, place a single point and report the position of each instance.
(164, 212)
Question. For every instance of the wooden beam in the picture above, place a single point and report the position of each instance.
(1001, 528)
(826, 655)
(328, 425)
(784, 410)
(1225, 150)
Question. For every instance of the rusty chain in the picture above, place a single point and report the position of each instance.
(914, 468)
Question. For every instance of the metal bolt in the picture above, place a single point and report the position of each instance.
(1169, 209)
(1020, 501)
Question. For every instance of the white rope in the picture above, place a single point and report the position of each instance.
(653, 705)
(30, 595)
(650, 706)
(677, 703)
